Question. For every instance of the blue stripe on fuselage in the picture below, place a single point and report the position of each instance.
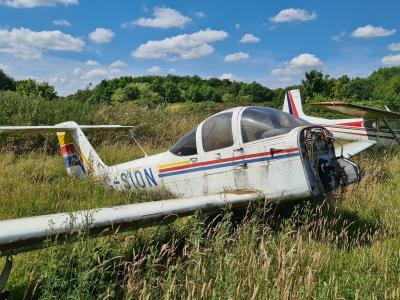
(232, 163)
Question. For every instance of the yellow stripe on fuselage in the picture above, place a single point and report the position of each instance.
(175, 164)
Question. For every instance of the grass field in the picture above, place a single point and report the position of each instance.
(346, 246)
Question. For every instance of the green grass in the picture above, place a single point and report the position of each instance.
(343, 247)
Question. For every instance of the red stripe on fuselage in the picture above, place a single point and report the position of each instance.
(354, 124)
(217, 161)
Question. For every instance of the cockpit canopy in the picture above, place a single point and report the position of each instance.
(263, 122)
(256, 123)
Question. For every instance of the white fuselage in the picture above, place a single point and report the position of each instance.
(275, 166)
(272, 166)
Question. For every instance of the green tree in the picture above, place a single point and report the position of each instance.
(358, 89)
(147, 97)
(257, 92)
(157, 85)
(339, 86)
(314, 83)
(6, 82)
(82, 95)
(129, 93)
(194, 94)
(119, 95)
(172, 92)
(32, 88)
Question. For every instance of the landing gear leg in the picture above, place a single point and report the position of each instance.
(4, 277)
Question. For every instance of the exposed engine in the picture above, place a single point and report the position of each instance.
(325, 170)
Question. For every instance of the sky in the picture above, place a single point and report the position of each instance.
(74, 43)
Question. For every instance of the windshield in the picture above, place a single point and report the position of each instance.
(263, 122)
(217, 132)
(186, 145)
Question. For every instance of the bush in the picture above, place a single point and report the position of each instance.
(32, 88)
(6, 82)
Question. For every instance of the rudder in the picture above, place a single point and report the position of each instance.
(292, 103)
(79, 156)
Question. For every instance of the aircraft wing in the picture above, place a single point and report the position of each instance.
(360, 111)
(58, 128)
(25, 234)
(352, 149)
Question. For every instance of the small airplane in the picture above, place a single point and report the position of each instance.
(231, 158)
(371, 126)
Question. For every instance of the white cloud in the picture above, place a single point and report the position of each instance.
(163, 17)
(35, 3)
(183, 46)
(114, 71)
(154, 70)
(200, 14)
(339, 37)
(3, 67)
(228, 76)
(305, 60)
(61, 22)
(391, 60)
(57, 79)
(91, 62)
(94, 73)
(237, 26)
(118, 63)
(297, 65)
(394, 47)
(369, 32)
(27, 44)
(77, 71)
(249, 38)
(101, 35)
(236, 56)
(293, 15)
(172, 71)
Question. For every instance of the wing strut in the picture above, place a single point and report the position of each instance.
(4, 276)
(391, 130)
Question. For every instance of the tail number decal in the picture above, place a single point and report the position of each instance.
(138, 179)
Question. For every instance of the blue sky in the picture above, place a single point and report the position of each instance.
(72, 43)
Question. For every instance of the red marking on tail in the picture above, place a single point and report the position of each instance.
(68, 149)
(295, 113)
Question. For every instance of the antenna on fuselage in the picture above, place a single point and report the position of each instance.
(132, 135)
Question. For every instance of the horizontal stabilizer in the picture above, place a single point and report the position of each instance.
(360, 111)
(59, 128)
(19, 235)
(352, 149)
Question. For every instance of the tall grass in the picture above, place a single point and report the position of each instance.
(343, 247)
(159, 127)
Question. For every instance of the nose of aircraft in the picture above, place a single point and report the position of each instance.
(324, 170)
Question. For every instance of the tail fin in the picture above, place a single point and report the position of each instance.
(80, 158)
(292, 104)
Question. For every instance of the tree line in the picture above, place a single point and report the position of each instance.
(382, 86)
